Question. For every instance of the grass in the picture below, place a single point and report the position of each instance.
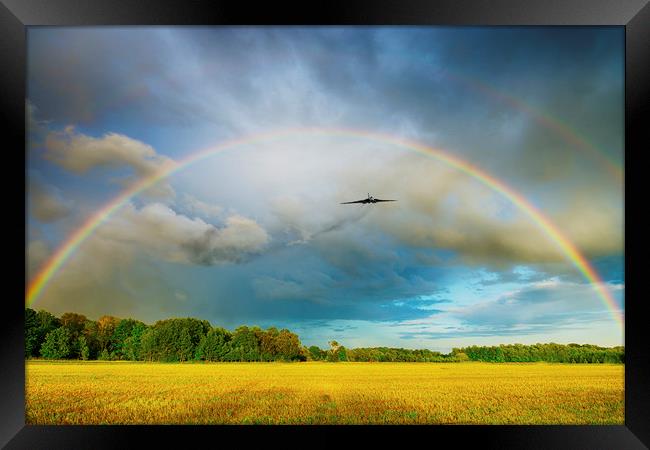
(323, 393)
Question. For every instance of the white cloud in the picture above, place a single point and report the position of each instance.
(79, 153)
(547, 302)
(46, 203)
(199, 207)
(550, 310)
(115, 270)
(163, 233)
(440, 207)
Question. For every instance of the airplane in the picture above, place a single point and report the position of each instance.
(370, 199)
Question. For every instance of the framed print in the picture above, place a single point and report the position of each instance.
(358, 218)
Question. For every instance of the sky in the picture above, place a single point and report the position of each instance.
(256, 234)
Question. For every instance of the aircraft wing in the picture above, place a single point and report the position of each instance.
(357, 201)
(380, 200)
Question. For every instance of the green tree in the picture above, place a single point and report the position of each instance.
(74, 323)
(304, 354)
(123, 332)
(84, 350)
(214, 346)
(164, 338)
(148, 345)
(130, 348)
(57, 344)
(37, 326)
(316, 353)
(73, 335)
(47, 321)
(333, 355)
(244, 345)
(269, 344)
(185, 346)
(106, 326)
(552, 352)
(461, 356)
(32, 333)
(287, 345)
(90, 332)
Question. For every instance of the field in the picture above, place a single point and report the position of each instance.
(323, 393)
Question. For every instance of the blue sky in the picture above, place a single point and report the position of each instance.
(256, 235)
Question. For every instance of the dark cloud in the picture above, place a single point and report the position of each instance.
(428, 77)
(458, 89)
(79, 75)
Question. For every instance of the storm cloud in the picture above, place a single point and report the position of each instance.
(256, 233)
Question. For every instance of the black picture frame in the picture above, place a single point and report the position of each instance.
(16, 15)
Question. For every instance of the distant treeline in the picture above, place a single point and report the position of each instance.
(572, 353)
(380, 354)
(74, 336)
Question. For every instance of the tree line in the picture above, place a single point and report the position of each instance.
(571, 353)
(74, 336)
(338, 352)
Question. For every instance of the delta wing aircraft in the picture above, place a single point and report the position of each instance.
(370, 199)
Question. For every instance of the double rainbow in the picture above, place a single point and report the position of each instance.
(544, 119)
(72, 243)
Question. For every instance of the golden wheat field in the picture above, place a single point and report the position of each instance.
(323, 393)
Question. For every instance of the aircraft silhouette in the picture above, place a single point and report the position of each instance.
(370, 199)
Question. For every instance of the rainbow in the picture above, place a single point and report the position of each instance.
(63, 253)
(546, 120)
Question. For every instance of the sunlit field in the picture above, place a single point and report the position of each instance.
(323, 393)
